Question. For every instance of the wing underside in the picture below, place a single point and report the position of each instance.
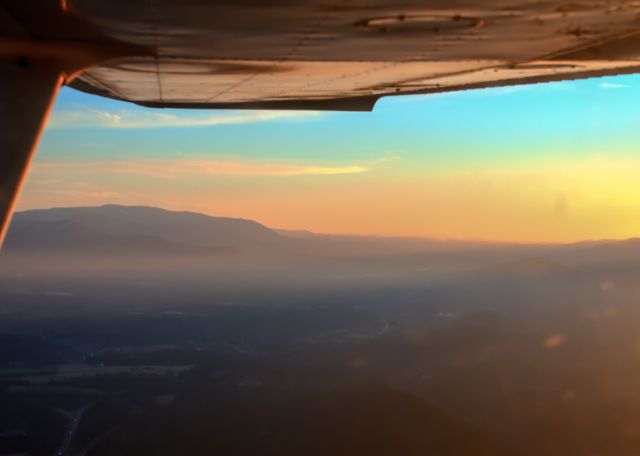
(345, 54)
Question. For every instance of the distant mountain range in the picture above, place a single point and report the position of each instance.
(139, 229)
(121, 229)
(136, 230)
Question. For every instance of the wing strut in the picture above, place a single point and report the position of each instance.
(43, 45)
(27, 92)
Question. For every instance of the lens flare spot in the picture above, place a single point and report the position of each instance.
(555, 341)
(607, 285)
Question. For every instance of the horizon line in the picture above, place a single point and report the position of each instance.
(345, 234)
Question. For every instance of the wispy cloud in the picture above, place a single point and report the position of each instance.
(77, 192)
(610, 85)
(86, 117)
(175, 169)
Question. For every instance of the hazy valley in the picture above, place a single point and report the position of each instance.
(131, 330)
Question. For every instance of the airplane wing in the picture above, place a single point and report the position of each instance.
(345, 54)
(292, 54)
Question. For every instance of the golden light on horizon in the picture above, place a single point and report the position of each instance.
(559, 201)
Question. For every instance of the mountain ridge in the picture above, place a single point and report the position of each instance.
(118, 229)
(114, 228)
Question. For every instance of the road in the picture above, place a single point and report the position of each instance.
(72, 427)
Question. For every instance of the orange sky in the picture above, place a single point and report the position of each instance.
(548, 202)
(545, 163)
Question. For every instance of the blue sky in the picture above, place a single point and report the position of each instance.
(445, 154)
(597, 110)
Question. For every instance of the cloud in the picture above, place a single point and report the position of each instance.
(85, 117)
(175, 169)
(609, 85)
(78, 189)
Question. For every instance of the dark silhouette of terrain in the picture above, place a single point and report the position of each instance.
(115, 228)
(357, 419)
(178, 333)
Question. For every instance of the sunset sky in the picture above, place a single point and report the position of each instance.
(544, 163)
